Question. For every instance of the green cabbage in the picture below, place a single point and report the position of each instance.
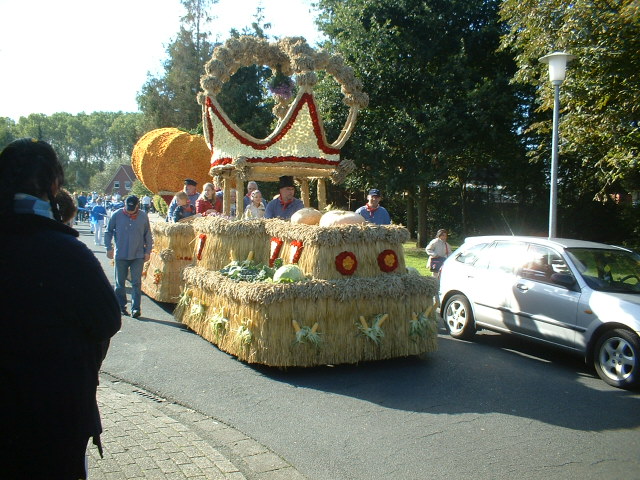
(288, 274)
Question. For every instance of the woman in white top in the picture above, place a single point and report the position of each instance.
(256, 208)
(438, 251)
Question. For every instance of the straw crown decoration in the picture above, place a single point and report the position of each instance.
(298, 143)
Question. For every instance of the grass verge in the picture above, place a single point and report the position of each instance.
(417, 258)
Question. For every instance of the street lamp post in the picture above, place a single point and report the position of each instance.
(557, 62)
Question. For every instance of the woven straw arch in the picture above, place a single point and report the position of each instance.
(291, 56)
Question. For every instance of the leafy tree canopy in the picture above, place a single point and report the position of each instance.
(441, 105)
(600, 138)
(85, 143)
(170, 100)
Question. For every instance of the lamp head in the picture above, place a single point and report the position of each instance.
(557, 62)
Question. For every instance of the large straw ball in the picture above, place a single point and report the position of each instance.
(164, 157)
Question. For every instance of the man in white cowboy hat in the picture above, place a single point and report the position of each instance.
(285, 204)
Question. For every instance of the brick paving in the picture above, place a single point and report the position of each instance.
(148, 437)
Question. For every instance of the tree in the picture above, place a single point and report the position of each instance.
(124, 133)
(600, 116)
(7, 130)
(441, 108)
(139, 189)
(85, 144)
(170, 101)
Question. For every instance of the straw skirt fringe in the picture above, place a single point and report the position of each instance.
(255, 322)
(173, 246)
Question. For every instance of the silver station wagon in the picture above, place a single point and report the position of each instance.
(577, 295)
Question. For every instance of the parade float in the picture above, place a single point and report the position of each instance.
(172, 252)
(324, 288)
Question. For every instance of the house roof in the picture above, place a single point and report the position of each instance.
(128, 170)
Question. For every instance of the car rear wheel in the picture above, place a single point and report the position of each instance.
(458, 317)
(616, 358)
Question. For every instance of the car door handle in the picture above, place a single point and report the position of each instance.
(522, 287)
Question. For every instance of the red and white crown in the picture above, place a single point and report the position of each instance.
(298, 146)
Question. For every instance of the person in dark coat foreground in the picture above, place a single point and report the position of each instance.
(58, 314)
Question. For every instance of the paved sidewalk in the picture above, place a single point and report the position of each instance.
(148, 437)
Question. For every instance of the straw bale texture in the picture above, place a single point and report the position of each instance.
(162, 277)
(321, 246)
(227, 239)
(267, 311)
(173, 245)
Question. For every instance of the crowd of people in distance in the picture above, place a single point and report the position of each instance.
(94, 208)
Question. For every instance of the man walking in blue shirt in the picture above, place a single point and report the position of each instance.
(372, 211)
(130, 229)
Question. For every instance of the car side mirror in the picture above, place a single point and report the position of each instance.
(564, 280)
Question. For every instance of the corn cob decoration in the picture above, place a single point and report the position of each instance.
(308, 335)
(421, 325)
(244, 337)
(373, 332)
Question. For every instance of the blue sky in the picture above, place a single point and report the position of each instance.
(88, 55)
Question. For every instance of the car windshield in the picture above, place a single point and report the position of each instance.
(608, 270)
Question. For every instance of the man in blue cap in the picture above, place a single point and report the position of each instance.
(130, 230)
(372, 211)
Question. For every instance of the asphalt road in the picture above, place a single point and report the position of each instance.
(494, 408)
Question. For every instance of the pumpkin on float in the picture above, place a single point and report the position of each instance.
(340, 217)
(307, 216)
(164, 157)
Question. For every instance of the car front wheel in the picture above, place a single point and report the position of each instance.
(616, 358)
(458, 317)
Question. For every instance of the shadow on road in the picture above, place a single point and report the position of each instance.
(492, 374)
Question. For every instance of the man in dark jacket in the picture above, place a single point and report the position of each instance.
(58, 314)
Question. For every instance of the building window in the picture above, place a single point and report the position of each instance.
(116, 184)
(127, 185)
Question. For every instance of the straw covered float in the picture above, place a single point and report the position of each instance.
(357, 303)
(173, 245)
(343, 293)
